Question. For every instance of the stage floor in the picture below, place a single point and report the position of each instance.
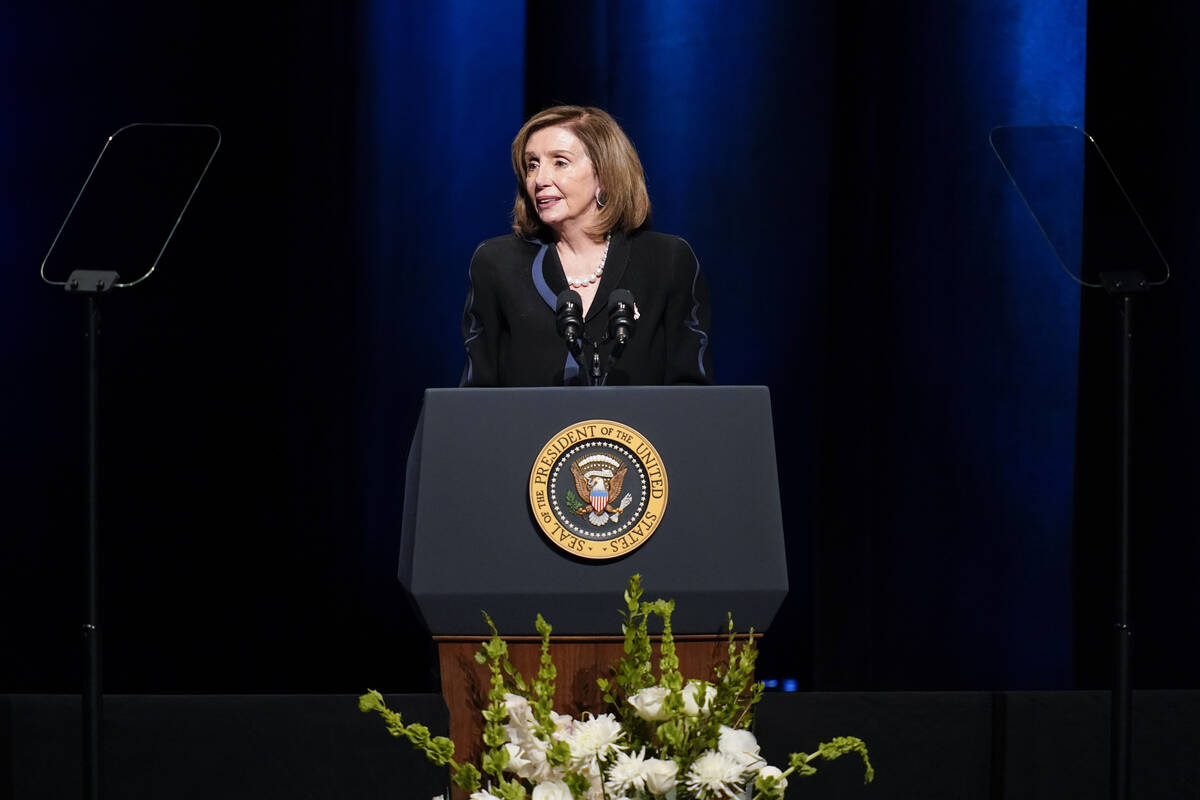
(927, 745)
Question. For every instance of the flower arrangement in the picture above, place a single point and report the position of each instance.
(665, 737)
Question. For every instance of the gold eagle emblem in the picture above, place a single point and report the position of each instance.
(599, 489)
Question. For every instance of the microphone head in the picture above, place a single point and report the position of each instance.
(620, 315)
(569, 314)
(568, 296)
(620, 296)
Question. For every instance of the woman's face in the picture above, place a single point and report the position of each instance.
(559, 177)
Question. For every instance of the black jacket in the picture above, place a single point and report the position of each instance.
(509, 321)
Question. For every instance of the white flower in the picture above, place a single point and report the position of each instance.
(526, 748)
(691, 697)
(482, 795)
(596, 786)
(774, 772)
(660, 775)
(527, 759)
(633, 772)
(551, 790)
(563, 722)
(714, 775)
(628, 772)
(519, 713)
(594, 739)
(648, 703)
(516, 759)
(741, 746)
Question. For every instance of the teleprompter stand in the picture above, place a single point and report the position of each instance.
(1124, 286)
(1065, 181)
(125, 213)
(92, 284)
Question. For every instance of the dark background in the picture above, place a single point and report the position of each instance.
(943, 393)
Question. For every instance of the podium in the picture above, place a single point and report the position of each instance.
(471, 543)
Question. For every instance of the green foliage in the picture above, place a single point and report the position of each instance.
(495, 652)
(675, 735)
(671, 735)
(437, 749)
(558, 754)
(680, 736)
(466, 777)
(769, 787)
(543, 687)
(577, 783)
(633, 671)
(800, 763)
(510, 790)
(843, 745)
(574, 504)
(494, 761)
(737, 691)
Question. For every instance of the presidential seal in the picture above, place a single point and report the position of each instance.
(598, 489)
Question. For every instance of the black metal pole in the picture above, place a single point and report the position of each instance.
(1122, 687)
(92, 691)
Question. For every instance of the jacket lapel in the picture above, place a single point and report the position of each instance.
(614, 270)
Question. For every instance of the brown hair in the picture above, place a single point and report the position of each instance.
(618, 170)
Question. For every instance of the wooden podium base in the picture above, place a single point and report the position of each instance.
(580, 660)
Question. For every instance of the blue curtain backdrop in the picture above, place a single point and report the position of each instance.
(940, 390)
(836, 188)
(442, 88)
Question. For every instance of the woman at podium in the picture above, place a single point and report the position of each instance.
(579, 222)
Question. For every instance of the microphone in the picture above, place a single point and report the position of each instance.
(569, 315)
(620, 326)
(620, 316)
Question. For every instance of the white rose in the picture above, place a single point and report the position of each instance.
(741, 746)
(482, 795)
(648, 703)
(691, 699)
(659, 774)
(551, 790)
(774, 772)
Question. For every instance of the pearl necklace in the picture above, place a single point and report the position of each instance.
(588, 280)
